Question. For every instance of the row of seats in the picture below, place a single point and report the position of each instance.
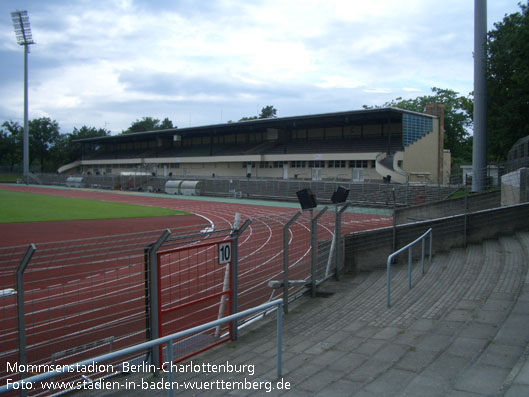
(375, 144)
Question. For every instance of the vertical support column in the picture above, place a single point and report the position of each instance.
(22, 359)
(286, 229)
(25, 149)
(314, 247)
(234, 276)
(479, 147)
(154, 294)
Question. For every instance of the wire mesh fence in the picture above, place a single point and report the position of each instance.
(92, 295)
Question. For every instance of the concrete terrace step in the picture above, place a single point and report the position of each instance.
(461, 330)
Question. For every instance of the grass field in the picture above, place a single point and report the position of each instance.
(29, 207)
(10, 178)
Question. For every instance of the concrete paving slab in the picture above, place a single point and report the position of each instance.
(434, 342)
(368, 371)
(446, 366)
(490, 316)
(459, 315)
(467, 347)
(479, 330)
(391, 352)
(523, 375)
(340, 388)
(391, 382)
(348, 362)
(426, 385)
(484, 379)
(500, 355)
(370, 346)
(416, 361)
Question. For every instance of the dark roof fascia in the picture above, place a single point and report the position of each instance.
(261, 124)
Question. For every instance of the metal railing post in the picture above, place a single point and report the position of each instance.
(313, 245)
(410, 259)
(154, 293)
(388, 282)
(431, 239)
(465, 224)
(235, 276)
(422, 256)
(286, 230)
(279, 340)
(22, 358)
(338, 254)
(170, 359)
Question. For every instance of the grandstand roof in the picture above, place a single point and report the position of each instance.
(364, 116)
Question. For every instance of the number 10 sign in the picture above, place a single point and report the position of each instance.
(224, 252)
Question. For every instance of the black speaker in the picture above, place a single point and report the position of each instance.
(307, 199)
(340, 195)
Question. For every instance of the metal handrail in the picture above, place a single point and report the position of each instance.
(409, 248)
(156, 342)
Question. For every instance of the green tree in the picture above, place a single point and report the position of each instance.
(457, 118)
(249, 118)
(266, 113)
(508, 82)
(43, 135)
(149, 124)
(72, 149)
(11, 145)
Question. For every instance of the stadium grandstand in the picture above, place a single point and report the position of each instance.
(375, 145)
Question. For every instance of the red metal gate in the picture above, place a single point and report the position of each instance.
(194, 287)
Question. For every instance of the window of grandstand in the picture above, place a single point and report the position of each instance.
(247, 163)
(300, 134)
(255, 137)
(279, 164)
(336, 164)
(358, 163)
(333, 133)
(315, 134)
(264, 164)
(414, 127)
(317, 164)
(297, 164)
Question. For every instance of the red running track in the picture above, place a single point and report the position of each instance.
(91, 300)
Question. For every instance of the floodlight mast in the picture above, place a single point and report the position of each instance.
(24, 37)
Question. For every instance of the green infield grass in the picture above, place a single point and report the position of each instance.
(10, 178)
(30, 207)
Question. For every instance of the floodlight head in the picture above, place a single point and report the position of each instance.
(340, 195)
(307, 199)
(22, 27)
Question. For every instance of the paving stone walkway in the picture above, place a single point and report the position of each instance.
(462, 330)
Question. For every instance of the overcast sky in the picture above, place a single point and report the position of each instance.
(108, 63)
